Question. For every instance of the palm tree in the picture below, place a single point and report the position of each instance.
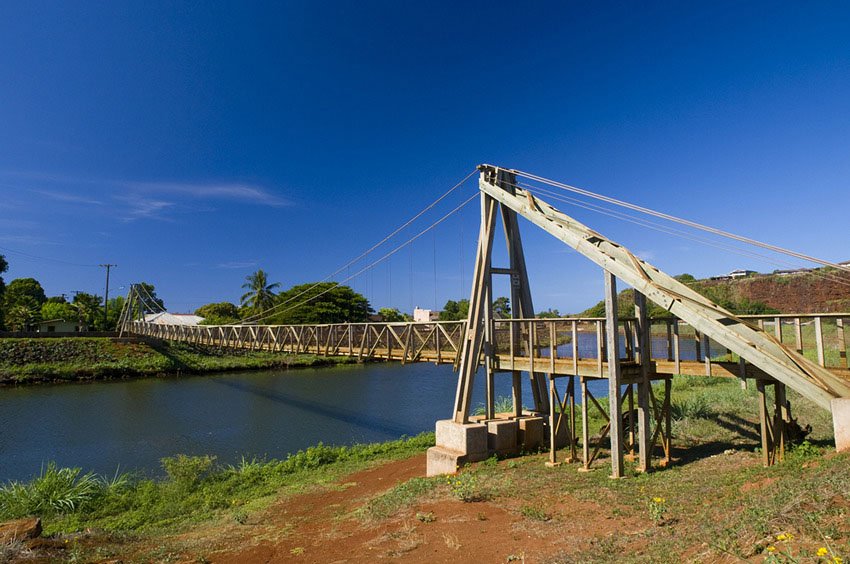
(259, 296)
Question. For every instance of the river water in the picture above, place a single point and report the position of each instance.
(134, 423)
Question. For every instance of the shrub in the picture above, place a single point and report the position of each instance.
(187, 471)
(55, 490)
(696, 407)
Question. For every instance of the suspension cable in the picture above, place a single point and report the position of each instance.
(679, 220)
(265, 313)
(386, 256)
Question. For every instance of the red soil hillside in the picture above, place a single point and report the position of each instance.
(819, 291)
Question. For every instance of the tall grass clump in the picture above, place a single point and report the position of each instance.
(693, 407)
(54, 490)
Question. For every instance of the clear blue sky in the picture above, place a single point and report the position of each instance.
(194, 143)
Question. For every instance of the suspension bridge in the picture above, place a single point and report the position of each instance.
(637, 355)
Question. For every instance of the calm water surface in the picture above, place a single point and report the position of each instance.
(134, 423)
(99, 426)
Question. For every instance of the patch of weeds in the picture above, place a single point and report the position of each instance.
(296, 551)
(804, 451)
(694, 407)
(54, 490)
(516, 557)
(466, 487)
(391, 501)
(240, 517)
(657, 508)
(426, 517)
(535, 513)
(186, 471)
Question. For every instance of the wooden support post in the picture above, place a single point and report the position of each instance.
(781, 417)
(644, 357)
(706, 346)
(764, 420)
(669, 340)
(516, 386)
(798, 335)
(553, 419)
(473, 341)
(819, 341)
(614, 379)
(676, 347)
(842, 344)
(698, 344)
(585, 431)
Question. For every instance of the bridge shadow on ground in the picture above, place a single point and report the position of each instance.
(348, 416)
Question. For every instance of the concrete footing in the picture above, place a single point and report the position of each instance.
(532, 432)
(457, 444)
(460, 443)
(841, 423)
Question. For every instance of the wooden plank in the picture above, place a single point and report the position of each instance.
(644, 357)
(819, 341)
(613, 336)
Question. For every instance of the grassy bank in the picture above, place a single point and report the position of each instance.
(80, 358)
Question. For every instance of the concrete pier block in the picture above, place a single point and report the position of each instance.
(457, 444)
(502, 436)
(841, 423)
(532, 432)
(469, 439)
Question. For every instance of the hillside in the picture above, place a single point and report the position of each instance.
(822, 290)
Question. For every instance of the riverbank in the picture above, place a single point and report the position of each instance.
(715, 504)
(29, 361)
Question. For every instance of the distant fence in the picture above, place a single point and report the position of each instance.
(54, 334)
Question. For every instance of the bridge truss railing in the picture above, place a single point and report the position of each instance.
(407, 342)
(676, 347)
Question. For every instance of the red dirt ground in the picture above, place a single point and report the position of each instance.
(320, 527)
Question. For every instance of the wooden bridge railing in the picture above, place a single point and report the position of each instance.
(676, 347)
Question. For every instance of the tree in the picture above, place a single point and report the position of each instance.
(116, 305)
(21, 315)
(455, 311)
(322, 302)
(51, 310)
(390, 314)
(548, 314)
(89, 309)
(260, 295)
(148, 293)
(21, 290)
(221, 313)
(4, 266)
(502, 307)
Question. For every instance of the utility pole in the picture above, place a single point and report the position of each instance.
(106, 299)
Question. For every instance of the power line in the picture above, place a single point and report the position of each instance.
(37, 257)
(266, 312)
(679, 220)
(386, 256)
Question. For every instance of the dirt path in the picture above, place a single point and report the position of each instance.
(322, 527)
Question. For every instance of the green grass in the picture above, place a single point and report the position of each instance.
(82, 358)
(195, 490)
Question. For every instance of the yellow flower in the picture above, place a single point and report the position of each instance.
(658, 500)
(784, 537)
(837, 560)
(822, 551)
(771, 549)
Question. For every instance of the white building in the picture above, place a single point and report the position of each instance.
(165, 318)
(425, 315)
